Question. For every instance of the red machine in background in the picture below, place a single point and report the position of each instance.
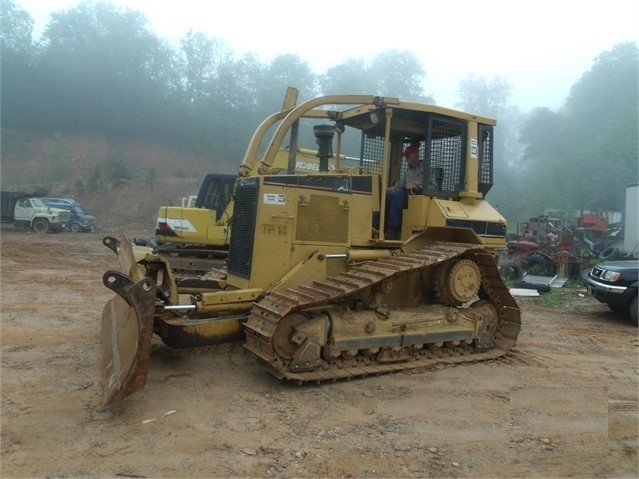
(595, 221)
(544, 246)
(547, 246)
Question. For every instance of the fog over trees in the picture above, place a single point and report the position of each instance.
(101, 70)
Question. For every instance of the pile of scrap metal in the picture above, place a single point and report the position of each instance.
(554, 256)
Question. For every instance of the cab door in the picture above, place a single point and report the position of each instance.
(24, 210)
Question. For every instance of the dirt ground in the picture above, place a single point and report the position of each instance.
(562, 404)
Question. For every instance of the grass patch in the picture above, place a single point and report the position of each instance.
(558, 297)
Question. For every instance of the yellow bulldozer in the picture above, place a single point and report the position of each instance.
(311, 284)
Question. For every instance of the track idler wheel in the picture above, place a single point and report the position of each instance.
(489, 317)
(285, 340)
(458, 282)
(298, 340)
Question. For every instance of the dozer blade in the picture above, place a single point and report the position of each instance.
(127, 328)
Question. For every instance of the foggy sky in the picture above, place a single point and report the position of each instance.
(542, 48)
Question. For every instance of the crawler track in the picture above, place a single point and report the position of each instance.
(265, 316)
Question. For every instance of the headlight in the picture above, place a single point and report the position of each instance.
(611, 276)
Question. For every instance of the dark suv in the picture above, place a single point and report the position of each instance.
(615, 283)
(80, 220)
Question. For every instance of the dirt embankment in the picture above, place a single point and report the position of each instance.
(122, 182)
(563, 403)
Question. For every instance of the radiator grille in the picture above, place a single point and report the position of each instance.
(240, 257)
(597, 272)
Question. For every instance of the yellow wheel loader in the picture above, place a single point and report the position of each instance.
(312, 286)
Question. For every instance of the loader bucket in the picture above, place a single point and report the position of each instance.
(127, 327)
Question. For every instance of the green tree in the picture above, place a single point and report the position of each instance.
(118, 169)
(99, 64)
(491, 98)
(508, 166)
(398, 73)
(488, 98)
(608, 89)
(587, 153)
(16, 30)
(202, 58)
(390, 73)
(95, 179)
(349, 78)
(283, 71)
(17, 72)
(151, 177)
(233, 108)
(239, 83)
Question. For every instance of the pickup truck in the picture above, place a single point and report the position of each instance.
(615, 284)
(31, 213)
